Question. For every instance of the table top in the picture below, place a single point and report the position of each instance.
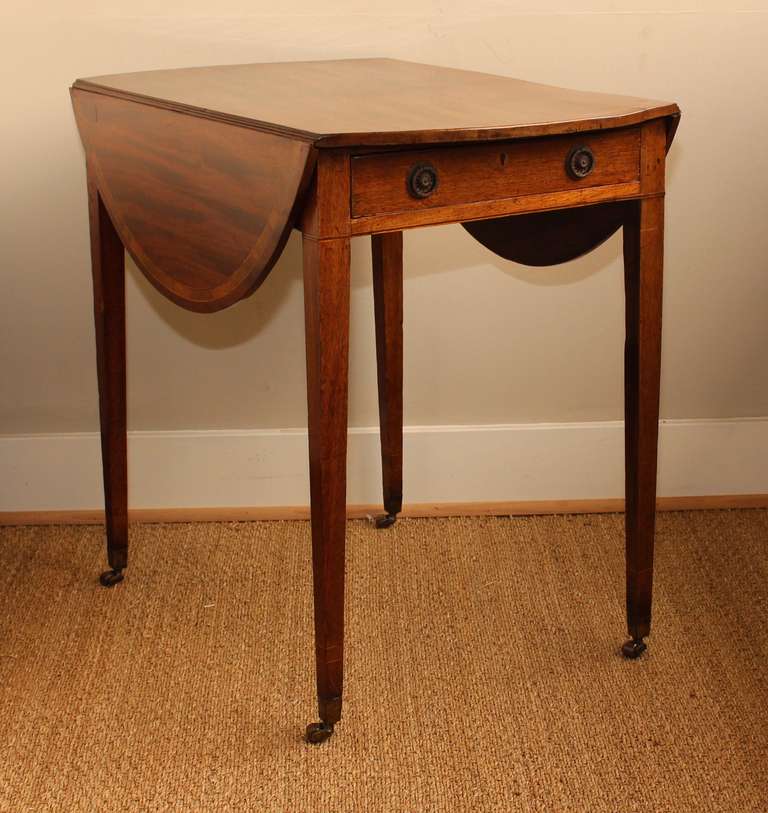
(370, 102)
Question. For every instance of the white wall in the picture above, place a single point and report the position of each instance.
(487, 342)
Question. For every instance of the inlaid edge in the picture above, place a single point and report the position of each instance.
(398, 137)
(272, 210)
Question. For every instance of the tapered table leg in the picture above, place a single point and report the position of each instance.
(108, 267)
(326, 309)
(643, 266)
(388, 306)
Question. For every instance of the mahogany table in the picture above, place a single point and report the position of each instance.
(201, 173)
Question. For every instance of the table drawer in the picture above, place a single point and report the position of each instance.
(446, 176)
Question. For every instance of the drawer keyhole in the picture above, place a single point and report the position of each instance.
(422, 180)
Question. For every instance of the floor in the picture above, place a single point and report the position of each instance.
(483, 669)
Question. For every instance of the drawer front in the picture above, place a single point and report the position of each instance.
(446, 176)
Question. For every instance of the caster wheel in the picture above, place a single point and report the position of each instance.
(633, 649)
(387, 521)
(109, 578)
(318, 732)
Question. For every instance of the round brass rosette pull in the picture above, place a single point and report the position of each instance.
(580, 162)
(422, 180)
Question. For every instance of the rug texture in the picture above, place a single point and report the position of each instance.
(483, 669)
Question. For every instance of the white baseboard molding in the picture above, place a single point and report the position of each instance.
(261, 471)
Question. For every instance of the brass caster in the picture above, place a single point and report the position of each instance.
(633, 648)
(318, 732)
(109, 578)
(386, 521)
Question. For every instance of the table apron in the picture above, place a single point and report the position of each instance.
(525, 204)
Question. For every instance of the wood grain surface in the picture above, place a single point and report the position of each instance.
(476, 173)
(108, 274)
(478, 210)
(378, 101)
(203, 207)
(387, 262)
(326, 308)
(643, 286)
(549, 238)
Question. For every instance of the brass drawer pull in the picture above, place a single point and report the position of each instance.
(580, 162)
(422, 180)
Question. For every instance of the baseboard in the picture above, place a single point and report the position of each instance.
(509, 469)
(456, 509)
